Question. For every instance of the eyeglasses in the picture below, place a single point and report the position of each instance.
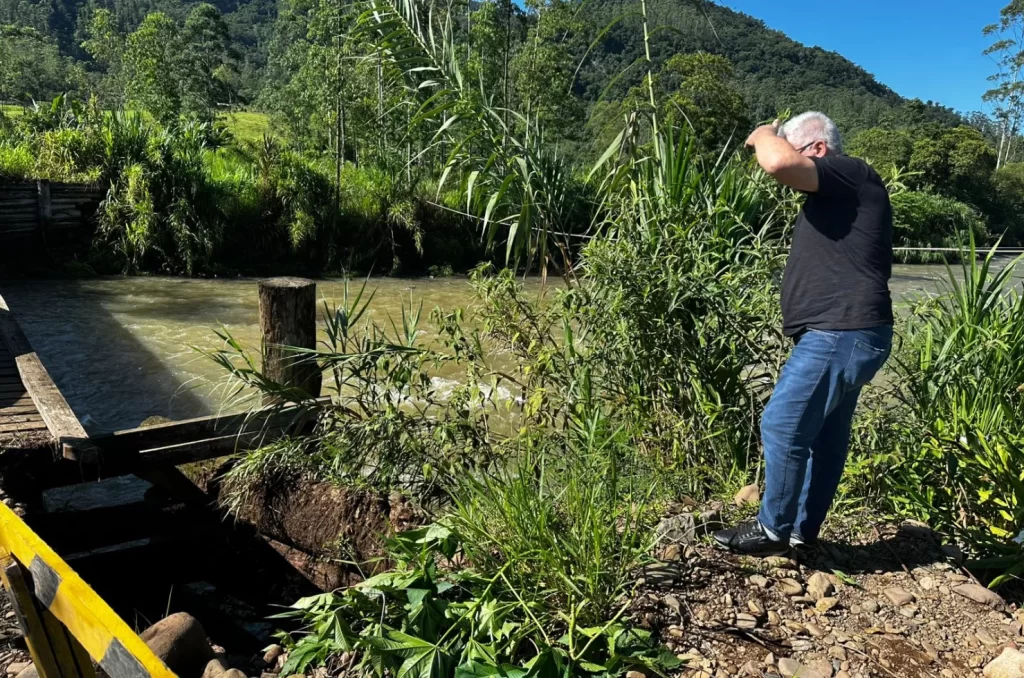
(804, 148)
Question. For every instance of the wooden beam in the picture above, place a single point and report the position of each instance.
(248, 425)
(59, 417)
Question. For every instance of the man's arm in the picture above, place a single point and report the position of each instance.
(778, 158)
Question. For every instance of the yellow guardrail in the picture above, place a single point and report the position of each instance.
(67, 626)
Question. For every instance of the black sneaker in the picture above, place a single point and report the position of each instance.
(750, 539)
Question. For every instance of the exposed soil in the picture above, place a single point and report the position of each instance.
(892, 610)
(330, 533)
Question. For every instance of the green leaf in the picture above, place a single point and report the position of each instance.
(474, 669)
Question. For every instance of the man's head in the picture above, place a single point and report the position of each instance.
(812, 134)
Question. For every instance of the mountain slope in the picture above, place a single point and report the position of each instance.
(773, 71)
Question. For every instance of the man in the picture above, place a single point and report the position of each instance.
(837, 309)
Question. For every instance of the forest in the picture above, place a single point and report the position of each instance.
(290, 122)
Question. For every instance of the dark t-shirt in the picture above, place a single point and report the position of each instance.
(837, 275)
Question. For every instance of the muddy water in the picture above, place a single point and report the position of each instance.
(123, 349)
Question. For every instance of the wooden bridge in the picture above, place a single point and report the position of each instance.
(158, 537)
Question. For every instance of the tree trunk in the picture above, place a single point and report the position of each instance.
(288, 321)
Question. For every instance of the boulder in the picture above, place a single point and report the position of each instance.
(17, 667)
(180, 642)
(28, 672)
(1010, 664)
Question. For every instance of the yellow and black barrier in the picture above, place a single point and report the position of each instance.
(67, 626)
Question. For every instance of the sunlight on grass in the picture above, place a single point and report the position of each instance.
(246, 125)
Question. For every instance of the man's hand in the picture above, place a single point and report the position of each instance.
(778, 158)
(771, 130)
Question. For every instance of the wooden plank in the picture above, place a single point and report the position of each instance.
(25, 426)
(17, 401)
(8, 418)
(59, 417)
(58, 639)
(32, 627)
(198, 429)
(103, 634)
(20, 409)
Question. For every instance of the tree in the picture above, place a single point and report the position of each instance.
(152, 63)
(208, 62)
(105, 44)
(957, 163)
(1007, 95)
(700, 92)
(883, 148)
(31, 66)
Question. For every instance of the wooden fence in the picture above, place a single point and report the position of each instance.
(46, 217)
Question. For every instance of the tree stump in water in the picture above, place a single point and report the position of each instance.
(287, 321)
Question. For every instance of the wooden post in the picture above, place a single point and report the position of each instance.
(44, 213)
(288, 320)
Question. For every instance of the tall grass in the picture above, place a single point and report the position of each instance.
(946, 444)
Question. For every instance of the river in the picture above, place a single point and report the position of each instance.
(122, 349)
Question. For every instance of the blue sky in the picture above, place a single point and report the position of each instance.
(930, 49)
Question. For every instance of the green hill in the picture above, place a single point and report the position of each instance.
(773, 71)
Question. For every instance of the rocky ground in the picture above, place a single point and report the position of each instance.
(871, 600)
(879, 601)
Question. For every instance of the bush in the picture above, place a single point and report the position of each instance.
(922, 219)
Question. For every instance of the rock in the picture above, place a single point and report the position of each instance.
(985, 637)
(791, 668)
(803, 601)
(680, 528)
(826, 605)
(801, 645)
(780, 561)
(953, 552)
(17, 667)
(980, 594)
(755, 608)
(1010, 664)
(926, 583)
(671, 552)
(814, 630)
(233, 673)
(774, 619)
(672, 603)
(28, 672)
(819, 586)
(746, 621)
(791, 587)
(747, 496)
(758, 580)
(215, 668)
(157, 420)
(180, 642)
(898, 596)
(837, 652)
(271, 654)
(750, 669)
(918, 530)
(634, 674)
(870, 607)
(820, 667)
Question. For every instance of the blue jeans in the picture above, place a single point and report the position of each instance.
(806, 424)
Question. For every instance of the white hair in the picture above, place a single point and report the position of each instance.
(812, 126)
